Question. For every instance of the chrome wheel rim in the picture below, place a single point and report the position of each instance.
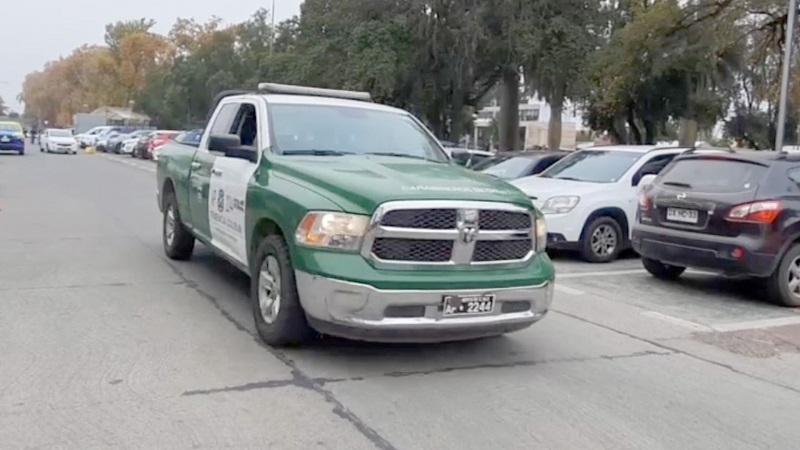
(169, 225)
(793, 280)
(269, 289)
(604, 240)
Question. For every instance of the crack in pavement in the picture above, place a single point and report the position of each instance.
(272, 384)
(299, 378)
(93, 285)
(678, 351)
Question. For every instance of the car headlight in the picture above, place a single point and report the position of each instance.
(19, 135)
(560, 204)
(540, 237)
(332, 230)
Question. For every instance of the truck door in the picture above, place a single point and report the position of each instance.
(201, 166)
(230, 179)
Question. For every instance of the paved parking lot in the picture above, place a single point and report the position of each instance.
(108, 344)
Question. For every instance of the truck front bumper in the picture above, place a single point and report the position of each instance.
(363, 312)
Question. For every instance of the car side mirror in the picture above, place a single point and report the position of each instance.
(223, 142)
(646, 181)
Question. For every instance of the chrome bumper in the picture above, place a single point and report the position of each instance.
(359, 311)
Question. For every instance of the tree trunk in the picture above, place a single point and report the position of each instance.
(554, 126)
(509, 109)
(649, 132)
(637, 135)
(687, 133)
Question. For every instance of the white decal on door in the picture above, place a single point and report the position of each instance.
(227, 202)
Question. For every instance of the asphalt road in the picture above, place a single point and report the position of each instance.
(106, 344)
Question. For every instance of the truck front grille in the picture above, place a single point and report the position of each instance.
(450, 232)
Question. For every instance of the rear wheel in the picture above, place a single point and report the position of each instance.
(279, 316)
(783, 286)
(602, 240)
(661, 270)
(178, 241)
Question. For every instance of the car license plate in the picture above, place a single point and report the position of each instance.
(467, 305)
(682, 215)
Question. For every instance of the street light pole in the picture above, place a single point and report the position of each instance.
(272, 34)
(787, 62)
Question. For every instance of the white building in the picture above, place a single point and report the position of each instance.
(534, 117)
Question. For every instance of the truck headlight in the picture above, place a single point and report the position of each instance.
(540, 236)
(560, 204)
(332, 230)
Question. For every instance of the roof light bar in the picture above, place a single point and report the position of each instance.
(288, 89)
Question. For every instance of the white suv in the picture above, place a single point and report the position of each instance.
(589, 197)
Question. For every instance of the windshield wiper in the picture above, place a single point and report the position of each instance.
(677, 184)
(566, 178)
(316, 152)
(401, 155)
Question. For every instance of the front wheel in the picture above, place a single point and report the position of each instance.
(661, 270)
(279, 316)
(178, 241)
(602, 240)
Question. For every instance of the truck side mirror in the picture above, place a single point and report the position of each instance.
(223, 142)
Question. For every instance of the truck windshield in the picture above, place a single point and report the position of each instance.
(350, 130)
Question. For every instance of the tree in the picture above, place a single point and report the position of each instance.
(559, 37)
(116, 32)
(665, 60)
(3, 107)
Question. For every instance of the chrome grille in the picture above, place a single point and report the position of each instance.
(449, 232)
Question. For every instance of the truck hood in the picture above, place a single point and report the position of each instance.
(359, 183)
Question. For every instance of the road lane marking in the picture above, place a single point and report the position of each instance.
(758, 324)
(129, 163)
(568, 290)
(608, 273)
(687, 324)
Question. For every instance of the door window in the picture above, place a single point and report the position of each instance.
(222, 123)
(246, 126)
(653, 166)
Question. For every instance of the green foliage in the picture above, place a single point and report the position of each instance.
(638, 66)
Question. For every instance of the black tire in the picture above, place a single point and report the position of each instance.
(21, 152)
(777, 285)
(662, 271)
(290, 326)
(607, 223)
(181, 245)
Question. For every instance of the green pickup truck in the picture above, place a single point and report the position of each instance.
(352, 221)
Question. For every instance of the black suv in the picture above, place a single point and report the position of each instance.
(736, 213)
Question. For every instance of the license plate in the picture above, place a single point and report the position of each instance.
(467, 305)
(682, 215)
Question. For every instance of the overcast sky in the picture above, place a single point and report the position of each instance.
(42, 30)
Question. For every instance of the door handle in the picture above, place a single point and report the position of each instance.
(216, 172)
(196, 165)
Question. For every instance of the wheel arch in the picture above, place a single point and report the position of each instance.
(167, 188)
(263, 227)
(614, 212)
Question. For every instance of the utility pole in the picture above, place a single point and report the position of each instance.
(272, 33)
(787, 62)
